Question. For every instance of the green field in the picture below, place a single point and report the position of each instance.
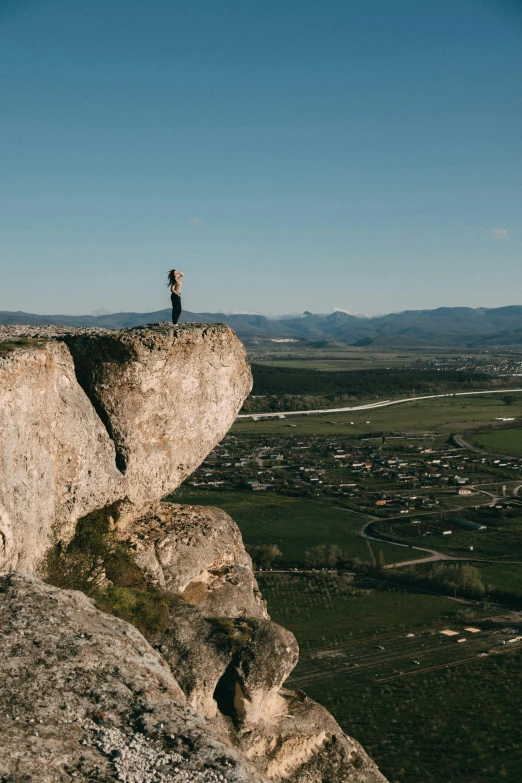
(504, 577)
(293, 524)
(341, 358)
(344, 357)
(446, 726)
(442, 415)
(339, 361)
(501, 441)
(425, 707)
(324, 609)
(502, 542)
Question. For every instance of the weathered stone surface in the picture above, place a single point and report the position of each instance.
(304, 744)
(85, 697)
(167, 395)
(197, 551)
(196, 655)
(57, 461)
(260, 670)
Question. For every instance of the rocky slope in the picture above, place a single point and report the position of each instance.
(84, 697)
(91, 422)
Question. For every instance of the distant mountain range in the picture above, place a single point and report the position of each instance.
(445, 326)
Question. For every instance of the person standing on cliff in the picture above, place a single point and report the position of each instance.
(175, 283)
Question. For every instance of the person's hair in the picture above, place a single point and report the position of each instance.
(172, 277)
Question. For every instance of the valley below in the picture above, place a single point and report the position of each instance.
(421, 662)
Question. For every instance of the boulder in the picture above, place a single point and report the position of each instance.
(197, 551)
(167, 394)
(84, 697)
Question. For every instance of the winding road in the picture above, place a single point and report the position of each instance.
(433, 553)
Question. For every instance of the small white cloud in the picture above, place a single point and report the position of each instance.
(350, 312)
(196, 220)
(500, 233)
(240, 312)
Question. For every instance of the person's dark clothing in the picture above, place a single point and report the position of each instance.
(176, 307)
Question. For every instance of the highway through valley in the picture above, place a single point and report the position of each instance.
(372, 405)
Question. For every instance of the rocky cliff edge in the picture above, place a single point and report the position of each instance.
(95, 427)
(90, 417)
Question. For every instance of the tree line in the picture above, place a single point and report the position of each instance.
(307, 385)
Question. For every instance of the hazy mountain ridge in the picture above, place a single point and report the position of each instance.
(443, 326)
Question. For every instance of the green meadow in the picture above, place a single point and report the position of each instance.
(501, 441)
(442, 415)
(295, 525)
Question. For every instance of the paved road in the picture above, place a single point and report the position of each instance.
(459, 440)
(464, 444)
(372, 405)
(432, 557)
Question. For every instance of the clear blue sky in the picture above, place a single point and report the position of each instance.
(285, 154)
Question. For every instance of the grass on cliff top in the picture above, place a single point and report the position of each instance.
(146, 609)
(8, 346)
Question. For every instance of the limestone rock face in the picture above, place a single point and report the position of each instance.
(125, 418)
(197, 551)
(304, 744)
(260, 671)
(167, 395)
(57, 461)
(90, 419)
(85, 697)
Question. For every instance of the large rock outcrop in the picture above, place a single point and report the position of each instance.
(84, 697)
(109, 422)
(110, 416)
